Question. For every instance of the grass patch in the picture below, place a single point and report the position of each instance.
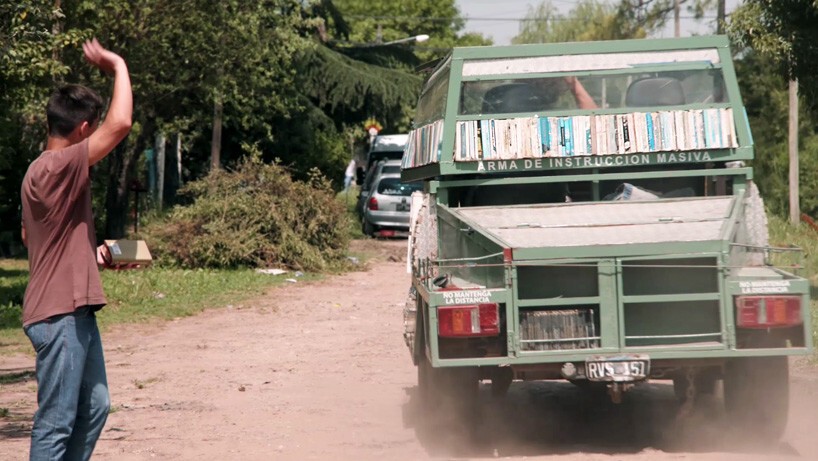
(784, 234)
(167, 293)
(13, 280)
(12, 378)
(349, 198)
(142, 295)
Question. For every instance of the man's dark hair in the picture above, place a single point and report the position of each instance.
(69, 106)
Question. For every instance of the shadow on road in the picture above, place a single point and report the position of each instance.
(547, 418)
(15, 424)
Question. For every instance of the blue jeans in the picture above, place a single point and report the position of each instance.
(72, 392)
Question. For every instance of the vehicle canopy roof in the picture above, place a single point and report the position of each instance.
(389, 142)
(604, 104)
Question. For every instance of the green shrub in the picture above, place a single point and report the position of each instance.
(255, 216)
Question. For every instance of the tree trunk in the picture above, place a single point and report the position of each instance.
(216, 143)
(172, 169)
(56, 29)
(160, 169)
(795, 206)
(116, 202)
(178, 160)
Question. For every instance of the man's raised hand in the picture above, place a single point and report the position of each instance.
(99, 57)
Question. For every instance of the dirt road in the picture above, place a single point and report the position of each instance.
(319, 371)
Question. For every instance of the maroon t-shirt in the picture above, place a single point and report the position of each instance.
(59, 225)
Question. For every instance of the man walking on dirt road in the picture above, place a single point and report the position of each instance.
(64, 289)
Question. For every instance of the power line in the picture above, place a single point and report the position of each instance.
(468, 18)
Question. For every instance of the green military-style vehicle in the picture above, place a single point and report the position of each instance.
(589, 214)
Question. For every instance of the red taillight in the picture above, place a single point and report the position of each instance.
(768, 311)
(373, 204)
(466, 321)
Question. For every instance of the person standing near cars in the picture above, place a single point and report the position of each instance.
(349, 174)
(64, 289)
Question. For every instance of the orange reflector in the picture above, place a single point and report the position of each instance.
(468, 321)
(768, 311)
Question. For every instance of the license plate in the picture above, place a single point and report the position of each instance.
(629, 368)
(402, 207)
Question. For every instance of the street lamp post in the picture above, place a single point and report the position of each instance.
(417, 38)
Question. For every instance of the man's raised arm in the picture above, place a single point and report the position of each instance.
(117, 122)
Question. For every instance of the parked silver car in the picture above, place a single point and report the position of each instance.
(377, 169)
(386, 211)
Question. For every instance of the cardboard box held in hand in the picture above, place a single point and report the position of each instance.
(128, 252)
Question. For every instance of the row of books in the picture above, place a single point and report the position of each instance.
(424, 145)
(641, 132)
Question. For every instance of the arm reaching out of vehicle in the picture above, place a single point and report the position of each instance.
(117, 122)
(584, 100)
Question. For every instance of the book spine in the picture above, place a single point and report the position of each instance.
(638, 131)
(458, 141)
(731, 126)
(626, 135)
(545, 135)
(536, 136)
(678, 129)
(632, 131)
(561, 150)
(479, 140)
(485, 141)
(507, 153)
(569, 136)
(578, 140)
(593, 136)
(611, 122)
(657, 130)
(708, 130)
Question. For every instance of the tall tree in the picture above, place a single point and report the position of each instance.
(283, 88)
(778, 38)
(373, 21)
(30, 64)
(596, 20)
(184, 55)
(784, 31)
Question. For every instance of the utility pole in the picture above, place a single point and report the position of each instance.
(795, 206)
(216, 140)
(159, 148)
(677, 29)
(720, 15)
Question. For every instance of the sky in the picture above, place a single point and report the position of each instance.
(502, 31)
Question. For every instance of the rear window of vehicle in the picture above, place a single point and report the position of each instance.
(375, 157)
(392, 169)
(393, 186)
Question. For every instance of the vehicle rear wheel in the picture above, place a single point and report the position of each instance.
(756, 396)
(447, 395)
(367, 228)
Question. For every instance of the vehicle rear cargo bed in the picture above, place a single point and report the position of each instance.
(574, 225)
